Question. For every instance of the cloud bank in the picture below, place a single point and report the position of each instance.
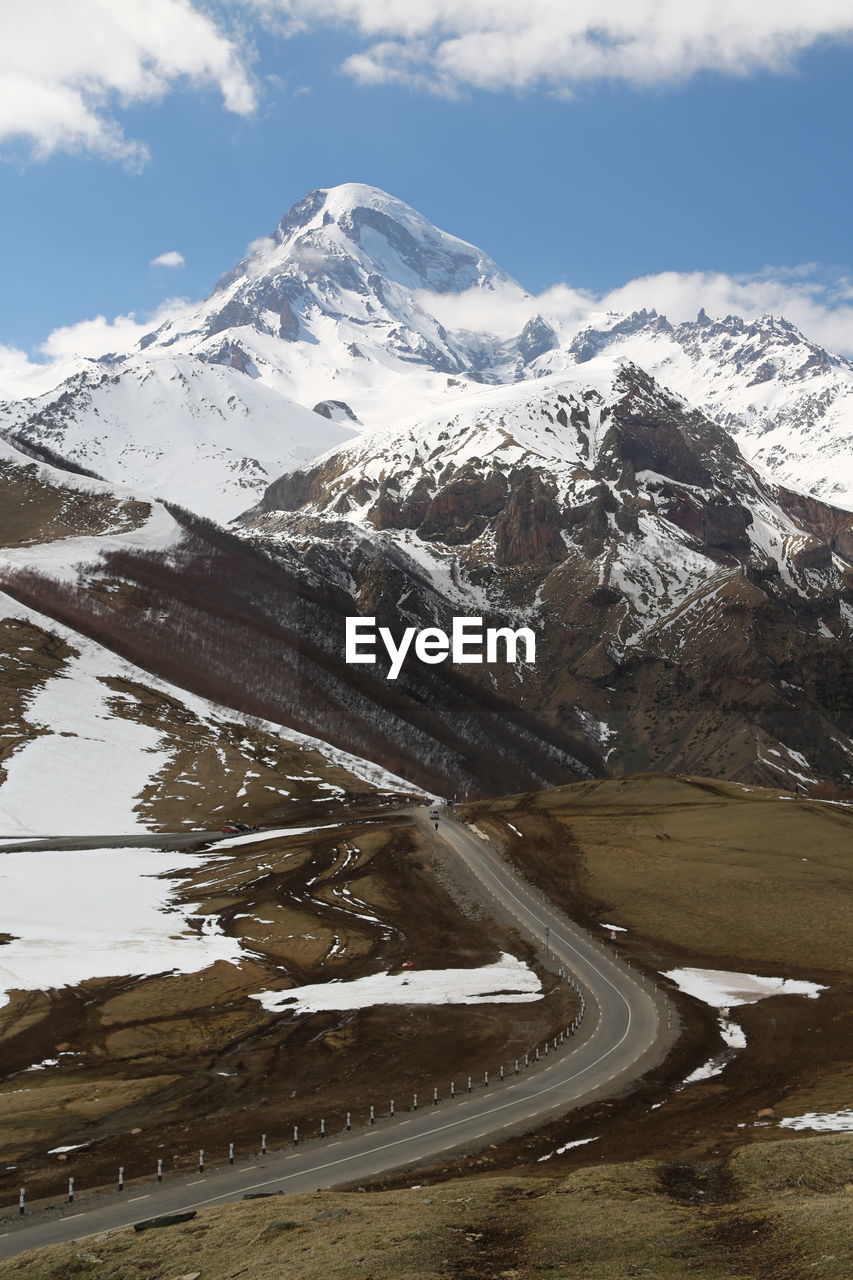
(822, 309)
(23, 374)
(66, 68)
(561, 45)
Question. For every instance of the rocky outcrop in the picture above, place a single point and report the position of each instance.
(528, 529)
(334, 409)
(537, 337)
(829, 524)
(812, 554)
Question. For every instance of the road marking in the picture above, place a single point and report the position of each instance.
(147, 1196)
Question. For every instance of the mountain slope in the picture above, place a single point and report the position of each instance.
(179, 427)
(73, 712)
(787, 402)
(257, 633)
(689, 614)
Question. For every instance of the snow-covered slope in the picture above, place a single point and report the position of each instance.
(787, 402)
(202, 435)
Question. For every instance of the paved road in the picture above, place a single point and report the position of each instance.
(623, 1035)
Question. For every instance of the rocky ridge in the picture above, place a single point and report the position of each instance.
(690, 614)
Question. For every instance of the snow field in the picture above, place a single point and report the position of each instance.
(83, 772)
(821, 1122)
(97, 913)
(722, 988)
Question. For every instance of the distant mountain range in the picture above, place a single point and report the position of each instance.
(337, 311)
(653, 500)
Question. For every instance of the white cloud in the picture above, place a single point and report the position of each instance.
(100, 336)
(559, 45)
(61, 353)
(258, 249)
(20, 376)
(66, 68)
(170, 259)
(822, 309)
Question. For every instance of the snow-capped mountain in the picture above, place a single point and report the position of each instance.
(337, 312)
(690, 614)
(787, 402)
(324, 315)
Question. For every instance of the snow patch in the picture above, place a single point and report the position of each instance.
(97, 913)
(578, 1142)
(821, 1121)
(722, 988)
(508, 981)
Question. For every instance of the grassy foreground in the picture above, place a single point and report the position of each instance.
(779, 1211)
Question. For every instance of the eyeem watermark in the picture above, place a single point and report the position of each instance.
(469, 641)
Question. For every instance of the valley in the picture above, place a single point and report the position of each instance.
(637, 849)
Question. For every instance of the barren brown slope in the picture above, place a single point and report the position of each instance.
(712, 875)
(778, 1213)
(264, 635)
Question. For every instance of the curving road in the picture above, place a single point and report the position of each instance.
(623, 1034)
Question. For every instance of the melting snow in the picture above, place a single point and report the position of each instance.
(824, 1122)
(722, 988)
(82, 743)
(278, 832)
(579, 1142)
(508, 981)
(96, 913)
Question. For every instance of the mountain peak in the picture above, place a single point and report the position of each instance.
(379, 232)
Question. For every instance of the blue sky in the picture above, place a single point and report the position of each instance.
(714, 173)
